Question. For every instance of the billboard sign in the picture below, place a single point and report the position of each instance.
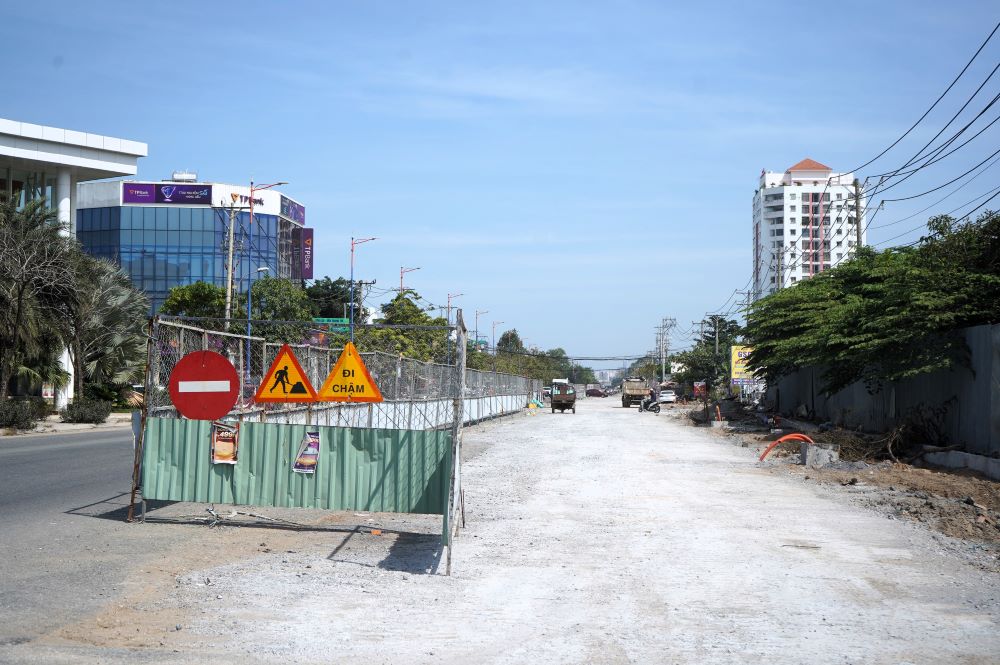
(293, 211)
(184, 194)
(738, 370)
(306, 252)
(138, 192)
(166, 193)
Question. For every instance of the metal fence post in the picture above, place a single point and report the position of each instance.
(458, 386)
(152, 366)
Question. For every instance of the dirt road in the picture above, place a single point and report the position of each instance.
(606, 536)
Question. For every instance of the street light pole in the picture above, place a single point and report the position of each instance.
(403, 271)
(495, 324)
(478, 312)
(250, 265)
(354, 242)
(450, 296)
(229, 260)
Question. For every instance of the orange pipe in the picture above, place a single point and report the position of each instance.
(787, 437)
(718, 413)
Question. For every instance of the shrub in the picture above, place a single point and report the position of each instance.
(86, 411)
(17, 414)
(40, 408)
(109, 392)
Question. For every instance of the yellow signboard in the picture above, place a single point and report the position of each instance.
(349, 381)
(739, 372)
(285, 381)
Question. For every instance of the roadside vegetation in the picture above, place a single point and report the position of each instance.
(281, 300)
(54, 297)
(884, 315)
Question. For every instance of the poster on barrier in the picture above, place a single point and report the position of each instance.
(308, 455)
(225, 443)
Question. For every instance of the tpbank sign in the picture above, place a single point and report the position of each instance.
(348, 381)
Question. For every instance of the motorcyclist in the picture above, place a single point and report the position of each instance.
(648, 400)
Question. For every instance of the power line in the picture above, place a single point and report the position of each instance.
(917, 196)
(936, 102)
(945, 213)
(933, 155)
(965, 216)
(915, 157)
(944, 198)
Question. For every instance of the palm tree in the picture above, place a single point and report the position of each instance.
(106, 325)
(36, 283)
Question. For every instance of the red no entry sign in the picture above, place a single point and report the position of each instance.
(204, 386)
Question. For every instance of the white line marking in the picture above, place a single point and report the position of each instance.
(203, 386)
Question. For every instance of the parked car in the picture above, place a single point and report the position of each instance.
(547, 391)
(668, 397)
(596, 392)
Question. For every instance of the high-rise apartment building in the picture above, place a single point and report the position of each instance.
(804, 222)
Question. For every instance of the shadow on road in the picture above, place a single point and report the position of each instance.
(414, 553)
(114, 508)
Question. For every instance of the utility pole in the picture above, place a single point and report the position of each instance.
(666, 325)
(663, 360)
(857, 215)
(229, 259)
(361, 292)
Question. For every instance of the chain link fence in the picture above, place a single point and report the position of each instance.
(418, 394)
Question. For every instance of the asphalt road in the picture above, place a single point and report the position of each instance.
(62, 501)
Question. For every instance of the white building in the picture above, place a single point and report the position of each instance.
(39, 162)
(803, 223)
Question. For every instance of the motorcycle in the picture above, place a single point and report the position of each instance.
(649, 404)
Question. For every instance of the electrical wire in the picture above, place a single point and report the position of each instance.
(933, 156)
(936, 102)
(918, 154)
(956, 179)
(944, 213)
(963, 217)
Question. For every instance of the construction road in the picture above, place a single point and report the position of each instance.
(605, 536)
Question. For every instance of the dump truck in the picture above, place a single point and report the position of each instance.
(634, 390)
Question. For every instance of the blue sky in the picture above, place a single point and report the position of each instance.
(579, 169)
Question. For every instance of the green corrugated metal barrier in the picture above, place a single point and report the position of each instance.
(380, 470)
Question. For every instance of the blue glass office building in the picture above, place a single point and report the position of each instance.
(168, 234)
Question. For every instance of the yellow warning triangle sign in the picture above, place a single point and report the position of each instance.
(349, 381)
(285, 381)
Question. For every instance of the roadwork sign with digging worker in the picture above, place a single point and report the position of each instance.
(285, 381)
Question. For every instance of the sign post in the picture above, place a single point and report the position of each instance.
(334, 324)
(204, 385)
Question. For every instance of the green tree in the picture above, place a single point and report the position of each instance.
(706, 361)
(199, 299)
(885, 315)
(283, 302)
(510, 342)
(331, 298)
(419, 344)
(107, 324)
(36, 284)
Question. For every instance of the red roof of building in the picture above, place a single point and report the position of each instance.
(809, 165)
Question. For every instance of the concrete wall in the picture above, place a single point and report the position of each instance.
(973, 417)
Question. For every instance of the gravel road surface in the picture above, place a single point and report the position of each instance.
(607, 536)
